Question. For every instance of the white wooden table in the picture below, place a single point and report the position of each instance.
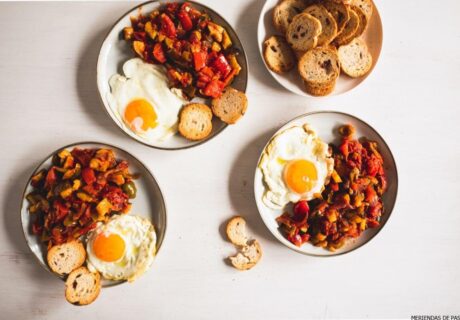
(48, 98)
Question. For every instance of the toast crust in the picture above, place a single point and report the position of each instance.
(231, 106)
(278, 55)
(82, 287)
(195, 121)
(64, 258)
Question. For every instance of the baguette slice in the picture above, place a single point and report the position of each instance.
(363, 21)
(339, 11)
(355, 58)
(278, 54)
(231, 106)
(328, 24)
(285, 11)
(82, 286)
(302, 34)
(195, 121)
(236, 231)
(367, 6)
(248, 257)
(64, 258)
(348, 33)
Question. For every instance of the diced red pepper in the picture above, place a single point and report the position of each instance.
(301, 210)
(88, 175)
(60, 210)
(51, 178)
(185, 20)
(295, 239)
(221, 65)
(167, 26)
(199, 59)
(140, 35)
(214, 89)
(158, 53)
(371, 195)
(230, 77)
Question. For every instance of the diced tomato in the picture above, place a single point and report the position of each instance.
(117, 198)
(301, 210)
(51, 178)
(158, 53)
(371, 195)
(88, 175)
(214, 89)
(199, 59)
(185, 20)
(83, 156)
(344, 148)
(221, 65)
(167, 26)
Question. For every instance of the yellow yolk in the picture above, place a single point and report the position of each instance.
(109, 248)
(140, 110)
(300, 176)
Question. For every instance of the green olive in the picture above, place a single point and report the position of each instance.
(130, 189)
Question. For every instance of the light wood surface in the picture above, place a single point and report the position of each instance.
(48, 98)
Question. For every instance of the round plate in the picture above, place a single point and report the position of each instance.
(115, 51)
(149, 202)
(326, 123)
(292, 80)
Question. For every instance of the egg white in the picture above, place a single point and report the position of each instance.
(294, 143)
(143, 80)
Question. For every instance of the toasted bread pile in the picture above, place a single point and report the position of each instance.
(195, 119)
(250, 250)
(321, 37)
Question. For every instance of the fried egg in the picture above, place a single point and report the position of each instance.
(296, 165)
(121, 249)
(142, 101)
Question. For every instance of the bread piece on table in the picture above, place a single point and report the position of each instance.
(285, 11)
(278, 54)
(348, 33)
(248, 257)
(231, 105)
(236, 231)
(328, 24)
(319, 69)
(82, 286)
(195, 121)
(366, 5)
(339, 11)
(363, 21)
(64, 258)
(355, 58)
(302, 34)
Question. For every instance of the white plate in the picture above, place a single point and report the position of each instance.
(291, 80)
(115, 51)
(326, 123)
(149, 202)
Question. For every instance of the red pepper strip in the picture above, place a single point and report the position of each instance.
(199, 59)
(185, 20)
(167, 26)
(214, 89)
(222, 66)
(88, 175)
(51, 178)
(230, 77)
(159, 53)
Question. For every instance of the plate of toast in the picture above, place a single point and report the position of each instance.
(320, 47)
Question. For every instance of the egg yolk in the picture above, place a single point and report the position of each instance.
(300, 176)
(109, 248)
(140, 115)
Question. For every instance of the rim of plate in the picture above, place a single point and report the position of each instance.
(306, 94)
(194, 144)
(43, 265)
(279, 237)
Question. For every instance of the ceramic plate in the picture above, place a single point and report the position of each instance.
(325, 124)
(291, 80)
(115, 51)
(149, 202)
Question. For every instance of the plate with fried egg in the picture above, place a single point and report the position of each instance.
(296, 165)
(120, 247)
(138, 95)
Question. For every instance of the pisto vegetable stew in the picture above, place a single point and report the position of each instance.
(349, 204)
(82, 187)
(198, 54)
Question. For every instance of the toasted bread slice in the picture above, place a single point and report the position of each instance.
(328, 24)
(348, 33)
(319, 68)
(278, 54)
(231, 106)
(236, 231)
(64, 258)
(302, 34)
(285, 11)
(367, 6)
(320, 90)
(195, 121)
(82, 286)
(355, 58)
(248, 257)
(363, 21)
(339, 11)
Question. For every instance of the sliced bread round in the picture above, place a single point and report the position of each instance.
(328, 24)
(363, 21)
(82, 286)
(195, 121)
(285, 11)
(236, 231)
(231, 106)
(302, 34)
(278, 54)
(366, 5)
(64, 258)
(348, 33)
(339, 11)
(355, 58)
